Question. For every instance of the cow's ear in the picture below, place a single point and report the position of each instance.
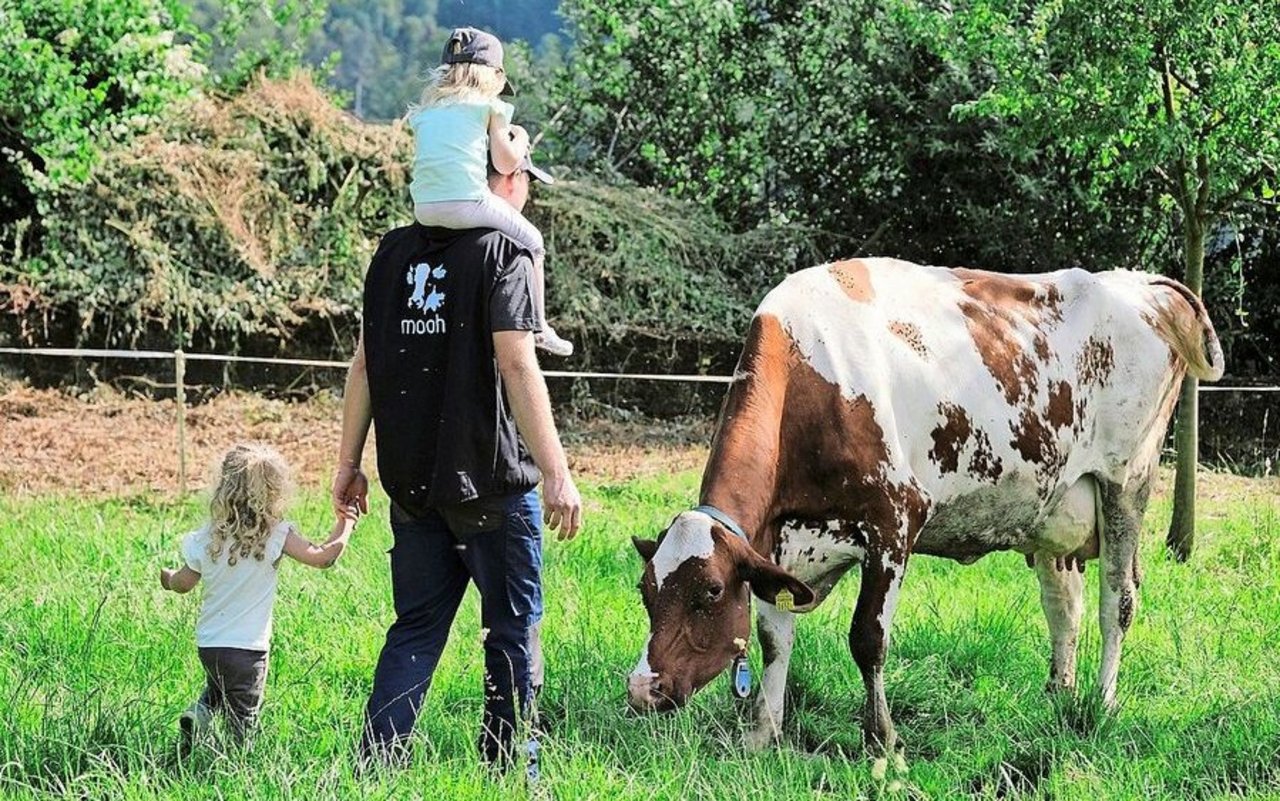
(646, 548)
(767, 580)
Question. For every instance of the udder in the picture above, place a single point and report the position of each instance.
(1071, 528)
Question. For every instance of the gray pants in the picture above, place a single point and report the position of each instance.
(489, 211)
(234, 681)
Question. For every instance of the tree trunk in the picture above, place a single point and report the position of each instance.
(1182, 528)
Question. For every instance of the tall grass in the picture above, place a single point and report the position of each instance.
(96, 662)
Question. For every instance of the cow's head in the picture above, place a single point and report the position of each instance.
(696, 588)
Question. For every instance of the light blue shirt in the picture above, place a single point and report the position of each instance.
(451, 150)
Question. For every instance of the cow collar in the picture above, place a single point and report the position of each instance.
(724, 520)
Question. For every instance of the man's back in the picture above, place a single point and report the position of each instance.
(433, 298)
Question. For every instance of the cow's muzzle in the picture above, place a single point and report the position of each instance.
(648, 693)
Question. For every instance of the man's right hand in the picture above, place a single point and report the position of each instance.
(350, 488)
(561, 505)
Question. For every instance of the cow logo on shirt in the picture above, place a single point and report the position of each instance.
(426, 298)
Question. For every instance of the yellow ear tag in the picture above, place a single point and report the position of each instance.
(784, 600)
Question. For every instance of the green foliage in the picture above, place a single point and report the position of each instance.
(626, 262)
(77, 75)
(529, 20)
(242, 39)
(383, 52)
(241, 218)
(829, 115)
(1177, 89)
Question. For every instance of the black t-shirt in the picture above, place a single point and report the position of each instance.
(432, 299)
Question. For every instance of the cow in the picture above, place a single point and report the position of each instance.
(882, 409)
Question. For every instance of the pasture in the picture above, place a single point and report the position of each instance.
(96, 662)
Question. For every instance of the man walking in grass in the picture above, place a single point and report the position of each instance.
(446, 371)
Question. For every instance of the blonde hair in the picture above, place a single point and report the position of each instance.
(453, 83)
(251, 488)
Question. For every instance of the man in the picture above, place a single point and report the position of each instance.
(446, 370)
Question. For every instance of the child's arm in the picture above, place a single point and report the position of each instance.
(180, 581)
(302, 549)
(508, 144)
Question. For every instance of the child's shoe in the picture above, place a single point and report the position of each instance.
(552, 342)
(194, 720)
(531, 771)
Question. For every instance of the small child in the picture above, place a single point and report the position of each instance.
(459, 125)
(237, 553)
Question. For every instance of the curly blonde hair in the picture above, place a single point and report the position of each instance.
(252, 486)
(453, 83)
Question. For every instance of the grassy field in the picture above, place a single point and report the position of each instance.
(96, 662)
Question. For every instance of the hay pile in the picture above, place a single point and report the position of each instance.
(244, 225)
(239, 219)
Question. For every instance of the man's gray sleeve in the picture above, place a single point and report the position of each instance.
(511, 306)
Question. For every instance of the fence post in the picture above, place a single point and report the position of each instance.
(179, 375)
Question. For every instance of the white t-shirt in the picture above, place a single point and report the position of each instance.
(235, 611)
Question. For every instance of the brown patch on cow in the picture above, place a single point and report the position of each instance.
(1060, 413)
(984, 463)
(994, 333)
(1004, 313)
(741, 471)
(999, 289)
(1095, 362)
(1052, 303)
(1041, 343)
(950, 437)
(819, 456)
(910, 334)
(853, 278)
(834, 460)
(1034, 440)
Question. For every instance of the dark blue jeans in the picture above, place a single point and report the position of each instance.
(430, 569)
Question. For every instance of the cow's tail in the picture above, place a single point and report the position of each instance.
(1181, 320)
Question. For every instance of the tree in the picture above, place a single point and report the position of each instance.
(1182, 91)
(830, 116)
(76, 75)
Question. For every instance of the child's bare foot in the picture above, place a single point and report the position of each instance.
(552, 342)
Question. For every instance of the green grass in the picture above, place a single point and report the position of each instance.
(96, 661)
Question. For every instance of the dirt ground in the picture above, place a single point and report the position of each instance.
(107, 444)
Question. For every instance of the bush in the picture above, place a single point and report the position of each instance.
(245, 224)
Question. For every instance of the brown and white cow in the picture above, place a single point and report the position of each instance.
(882, 409)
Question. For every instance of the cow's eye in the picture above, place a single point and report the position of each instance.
(715, 592)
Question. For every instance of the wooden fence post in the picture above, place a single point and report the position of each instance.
(180, 374)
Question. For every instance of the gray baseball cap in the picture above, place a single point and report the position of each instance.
(475, 46)
(535, 171)
(528, 166)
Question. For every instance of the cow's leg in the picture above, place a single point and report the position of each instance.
(776, 630)
(869, 641)
(1120, 519)
(1062, 598)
